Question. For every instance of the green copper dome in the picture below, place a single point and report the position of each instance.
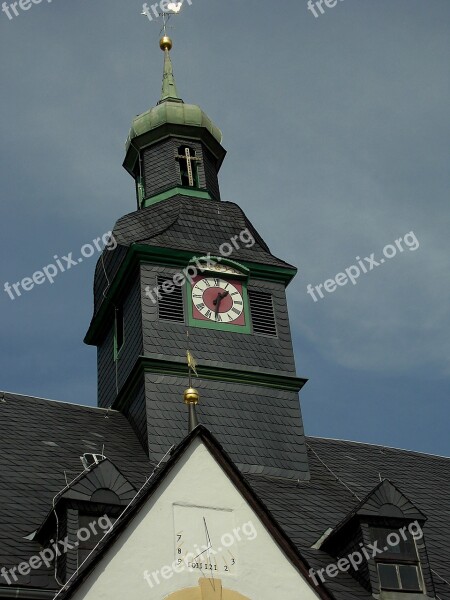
(171, 109)
(177, 113)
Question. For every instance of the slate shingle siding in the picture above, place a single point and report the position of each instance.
(260, 428)
(228, 349)
(162, 172)
(136, 412)
(131, 349)
(106, 370)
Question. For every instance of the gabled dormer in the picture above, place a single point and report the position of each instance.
(385, 536)
(82, 513)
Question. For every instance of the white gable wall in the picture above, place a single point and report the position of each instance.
(149, 542)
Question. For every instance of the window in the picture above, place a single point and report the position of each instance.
(398, 565)
(119, 337)
(399, 577)
(89, 534)
(140, 189)
(188, 166)
(170, 301)
(263, 316)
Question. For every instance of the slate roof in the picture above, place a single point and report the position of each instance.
(181, 223)
(342, 474)
(40, 441)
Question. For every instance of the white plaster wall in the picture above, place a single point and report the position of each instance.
(148, 543)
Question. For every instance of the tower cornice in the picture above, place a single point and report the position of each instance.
(156, 364)
(144, 254)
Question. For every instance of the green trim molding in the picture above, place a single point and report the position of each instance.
(184, 191)
(143, 254)
(158, 365)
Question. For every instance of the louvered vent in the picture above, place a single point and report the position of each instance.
(263, 316)
(170, 305)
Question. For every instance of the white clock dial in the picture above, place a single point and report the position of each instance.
(217, 299)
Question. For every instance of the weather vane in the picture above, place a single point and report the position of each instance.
(173, 8)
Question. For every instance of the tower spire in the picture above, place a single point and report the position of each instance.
(169, 88)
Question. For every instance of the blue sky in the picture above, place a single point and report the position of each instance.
(337, 131)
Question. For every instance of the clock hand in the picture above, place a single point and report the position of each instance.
(220, 297)
(218, 300)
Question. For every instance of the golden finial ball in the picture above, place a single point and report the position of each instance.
(191, 396)
(165, 43)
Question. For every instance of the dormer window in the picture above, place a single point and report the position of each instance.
(398, 565)
(403, 578)
(188, 162)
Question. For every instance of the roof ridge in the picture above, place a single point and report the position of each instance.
(6, 393)
(316, 437)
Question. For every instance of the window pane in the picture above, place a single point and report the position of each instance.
(409, 577)
(388, 577)
(392, 539)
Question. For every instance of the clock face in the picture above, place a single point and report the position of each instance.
(202, 540)
(218, 300)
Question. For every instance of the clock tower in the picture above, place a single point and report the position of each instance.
(187, 262)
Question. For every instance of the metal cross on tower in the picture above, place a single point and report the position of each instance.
(189, 160)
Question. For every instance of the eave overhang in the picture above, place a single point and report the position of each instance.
(143, 254)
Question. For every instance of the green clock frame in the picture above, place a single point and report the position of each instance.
(242, 278)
